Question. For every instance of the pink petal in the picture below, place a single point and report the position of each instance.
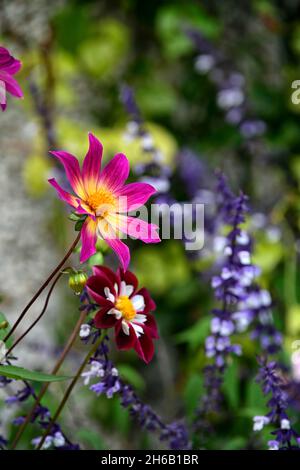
(8, 62)
(134, 227)
(144, 347)
(111, 238)
(83, 208)
(92, 165)
(72, 169)
(88, 238)
(137, 194)
(115, 173)
(62, 194)
(121, 250)
(11, 84)
(12, 68)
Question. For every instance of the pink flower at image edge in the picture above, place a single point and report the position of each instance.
(9, 66)
(105, 199)
(125, 308)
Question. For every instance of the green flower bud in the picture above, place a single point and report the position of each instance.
(77, 281)
(3, 325)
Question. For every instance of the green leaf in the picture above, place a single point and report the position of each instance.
(75, 217)
(72, 26)
(129, 374)
(235, 443)
(171, 33)
(193, 391)
(293, 320)
(254, 397)
(78, 225)
(120, 418)
(195, 335)
(20, 373)
(251, 412)
(92, 438)
(231, 385)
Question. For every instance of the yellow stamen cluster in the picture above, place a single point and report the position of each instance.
(101, 199)
(124, 305)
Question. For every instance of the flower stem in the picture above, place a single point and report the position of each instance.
(38, 318)
(37, 294)
(70, 388)
(54, 371)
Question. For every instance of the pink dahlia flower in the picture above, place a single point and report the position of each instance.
(9, 66)
(104, 197)
(124, 308)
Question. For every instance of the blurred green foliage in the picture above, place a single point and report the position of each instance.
(93, 48)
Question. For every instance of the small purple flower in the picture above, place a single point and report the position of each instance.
(55, 440)
(230, 88)
(154, 173)
(191, 171)
(110, 384)
(286, 438)
(273, 445)
(41, 417)
(242, 303)
(3, 443)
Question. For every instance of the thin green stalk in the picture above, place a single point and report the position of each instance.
(70, 388)
(54, 371)
(38, 318)
(45, 284)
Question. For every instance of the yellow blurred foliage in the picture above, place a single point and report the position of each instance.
(73, 138)
(161, 268)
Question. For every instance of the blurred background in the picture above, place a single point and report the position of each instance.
(213, 83)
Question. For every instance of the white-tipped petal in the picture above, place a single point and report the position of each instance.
(114, 311)
(122, 289)
(125, 327)
(138, 303)
(140, 318)
(108, 294)
(129, 289)
(138, 329)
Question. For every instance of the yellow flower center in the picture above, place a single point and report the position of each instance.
(102, 199)
(124, 305)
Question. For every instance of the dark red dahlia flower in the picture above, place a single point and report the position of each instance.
(125, 308)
